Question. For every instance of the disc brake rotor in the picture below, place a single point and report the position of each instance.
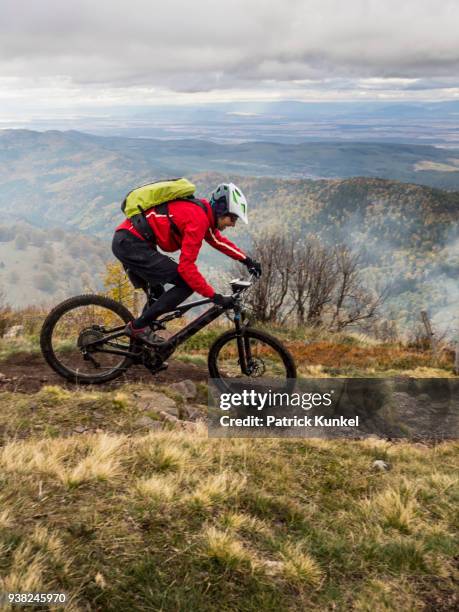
(256, 367)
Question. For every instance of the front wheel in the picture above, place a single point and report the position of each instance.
(72, 326)
(252, 357)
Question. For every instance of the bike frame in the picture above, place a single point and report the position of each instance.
(166, 348)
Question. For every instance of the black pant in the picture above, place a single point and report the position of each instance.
(141, 258)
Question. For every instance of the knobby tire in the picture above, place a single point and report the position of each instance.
(47, 332)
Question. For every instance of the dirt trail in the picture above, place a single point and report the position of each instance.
(27, 373)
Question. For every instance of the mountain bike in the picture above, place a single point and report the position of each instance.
(83, 339)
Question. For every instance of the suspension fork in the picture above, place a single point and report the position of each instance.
(243, 344)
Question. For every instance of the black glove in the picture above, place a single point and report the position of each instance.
(225, 301)
(253, 266)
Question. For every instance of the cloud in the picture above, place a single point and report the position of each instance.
(231, 44)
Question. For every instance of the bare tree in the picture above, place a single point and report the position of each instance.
(269, 296)
(322, 280)
(299, 285)
(352, 302)
(321, 285)
(312, 280)
(4, 313)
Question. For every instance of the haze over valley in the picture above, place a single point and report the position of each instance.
(407, 234)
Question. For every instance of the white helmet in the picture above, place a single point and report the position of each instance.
(229, 199)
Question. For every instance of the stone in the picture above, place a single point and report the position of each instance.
(193, 414)
(152, 400)
(381, 465)
(172, 420)
(169, 418)
(186, 388)
(148, 422)
(188, 425)
(423, 397)
(14, 331)
(80, 429)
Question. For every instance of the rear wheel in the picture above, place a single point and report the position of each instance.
(72, 326)
(266, 360)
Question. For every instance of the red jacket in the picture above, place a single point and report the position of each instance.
(194, 226)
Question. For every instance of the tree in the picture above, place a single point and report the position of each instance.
(47, 254)
(45, 282)
(5, 313)
(6, 234)
(20, 242)
(37, 238)
(117, 283)
(267, 300)
(321, 285)
(312, 279)
(352, 302)
(321, 281)
(299, 281)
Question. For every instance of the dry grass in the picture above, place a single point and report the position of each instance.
(321, 353)
(71, 461)
(216, 488)
(299, 567)
(394, 507)
(173, 520)
(157, 488)
(350, 358)
(101, 463)
(385, 596)
(35, 562)
(224, 548)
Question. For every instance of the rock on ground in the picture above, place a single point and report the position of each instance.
(148, 422)
(155, 401)
(186, 388)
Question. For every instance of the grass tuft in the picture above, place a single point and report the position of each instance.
(157, 488)
(226, 550)
(215, 489)
(395, 507)
(101, 463)
(299, 567)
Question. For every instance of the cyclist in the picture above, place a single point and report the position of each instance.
(184, 227)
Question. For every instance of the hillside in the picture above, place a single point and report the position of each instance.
(52, 174)
(43, 266)
(106, 502)
(117, 497)
(407, 234)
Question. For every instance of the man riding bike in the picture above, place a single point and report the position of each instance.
(184, 227)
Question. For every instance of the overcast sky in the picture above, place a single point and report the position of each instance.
(82, 54)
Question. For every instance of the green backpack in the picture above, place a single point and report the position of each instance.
(141, 199)
(153, 194)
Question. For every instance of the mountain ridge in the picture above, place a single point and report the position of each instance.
(420, 164)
